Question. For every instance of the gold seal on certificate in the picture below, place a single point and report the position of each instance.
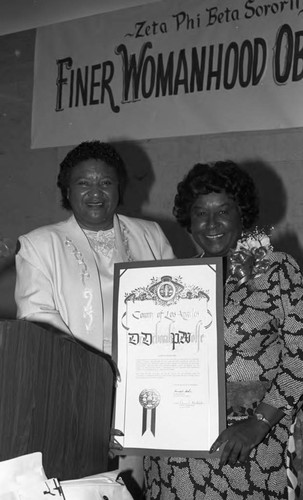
(166, 290)
(149, 399)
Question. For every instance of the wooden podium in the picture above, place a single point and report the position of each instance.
(56, 396)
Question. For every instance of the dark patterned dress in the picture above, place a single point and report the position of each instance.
(264, 361)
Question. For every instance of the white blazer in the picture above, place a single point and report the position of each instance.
(58, 280)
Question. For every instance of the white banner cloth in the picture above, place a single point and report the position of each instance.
(169, 68)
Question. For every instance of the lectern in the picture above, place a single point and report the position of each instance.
(56, 396)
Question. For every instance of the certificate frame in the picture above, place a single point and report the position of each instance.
(168, 344)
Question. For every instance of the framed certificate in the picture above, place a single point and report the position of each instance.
(169, 347)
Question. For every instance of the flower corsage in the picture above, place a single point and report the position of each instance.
(248, 260)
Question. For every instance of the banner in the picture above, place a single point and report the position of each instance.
(169, 68)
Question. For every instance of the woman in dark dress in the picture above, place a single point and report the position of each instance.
(263, 331)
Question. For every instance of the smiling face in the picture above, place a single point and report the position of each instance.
(215, 223)
(93, 194)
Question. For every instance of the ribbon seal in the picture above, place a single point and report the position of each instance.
(149, 399)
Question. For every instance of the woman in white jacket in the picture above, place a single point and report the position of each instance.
(65, 270)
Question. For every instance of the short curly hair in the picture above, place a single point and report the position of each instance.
(220, 176)
(87, 150)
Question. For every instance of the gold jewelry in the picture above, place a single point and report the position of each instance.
(260, 417)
